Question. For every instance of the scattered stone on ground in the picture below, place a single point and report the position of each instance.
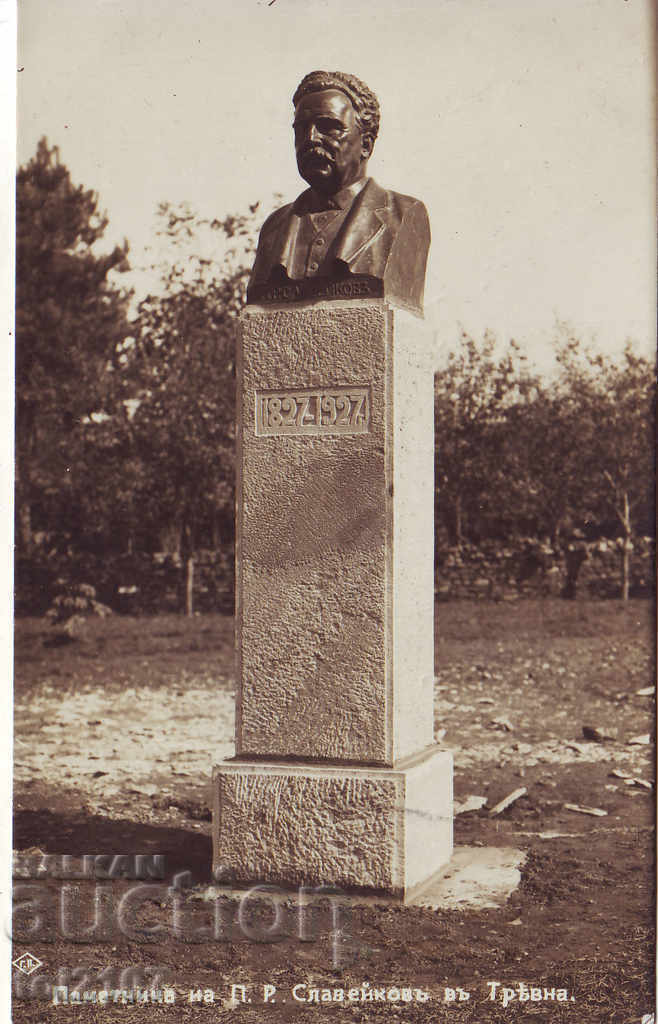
(594, 811)
(471, 803)
(593, 732)
(508, 801)
(503, 723)
(638, 782)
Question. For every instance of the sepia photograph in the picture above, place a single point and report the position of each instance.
(333, 512)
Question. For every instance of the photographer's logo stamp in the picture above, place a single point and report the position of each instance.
(27, 963)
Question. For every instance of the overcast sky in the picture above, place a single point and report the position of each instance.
(526, 128)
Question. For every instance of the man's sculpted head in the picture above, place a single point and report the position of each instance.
(336, 124)
(364, 101)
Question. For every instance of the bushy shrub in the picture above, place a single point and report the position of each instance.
(76, 600)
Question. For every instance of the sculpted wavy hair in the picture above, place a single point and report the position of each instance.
(361, 97)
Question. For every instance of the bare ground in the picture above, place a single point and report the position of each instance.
(115, 738)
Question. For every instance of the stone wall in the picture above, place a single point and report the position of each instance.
(497, 571)
(150, 584)
(138, 584)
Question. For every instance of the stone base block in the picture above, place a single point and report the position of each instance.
(291, 824)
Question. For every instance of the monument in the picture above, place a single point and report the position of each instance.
(336, 778)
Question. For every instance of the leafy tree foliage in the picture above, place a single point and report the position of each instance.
(70, 318)
(181, 368)
(482, 486)
(611, 405)
(517, 455)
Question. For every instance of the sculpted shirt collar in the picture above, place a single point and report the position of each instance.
(313, 202)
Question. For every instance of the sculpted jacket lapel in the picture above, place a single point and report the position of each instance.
(282, 239)
(365, 224)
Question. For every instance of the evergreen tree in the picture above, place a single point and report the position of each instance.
(70, 321)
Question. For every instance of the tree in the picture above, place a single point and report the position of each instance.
(611, 408)
(481, 487)
(181, 369)
(543, 461)
(518, 454)
(70, 320)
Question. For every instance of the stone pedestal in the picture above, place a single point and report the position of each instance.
(336, 779)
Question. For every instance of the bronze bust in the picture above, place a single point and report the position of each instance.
(345, 236)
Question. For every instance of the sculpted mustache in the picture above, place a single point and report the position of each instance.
(316, 151)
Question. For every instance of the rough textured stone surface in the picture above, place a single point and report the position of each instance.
(334, 587)
(384, 829)
(336, 780)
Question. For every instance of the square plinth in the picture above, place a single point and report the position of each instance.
(335, 504)
(387, 829)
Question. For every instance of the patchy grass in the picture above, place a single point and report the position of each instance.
(121, 651)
